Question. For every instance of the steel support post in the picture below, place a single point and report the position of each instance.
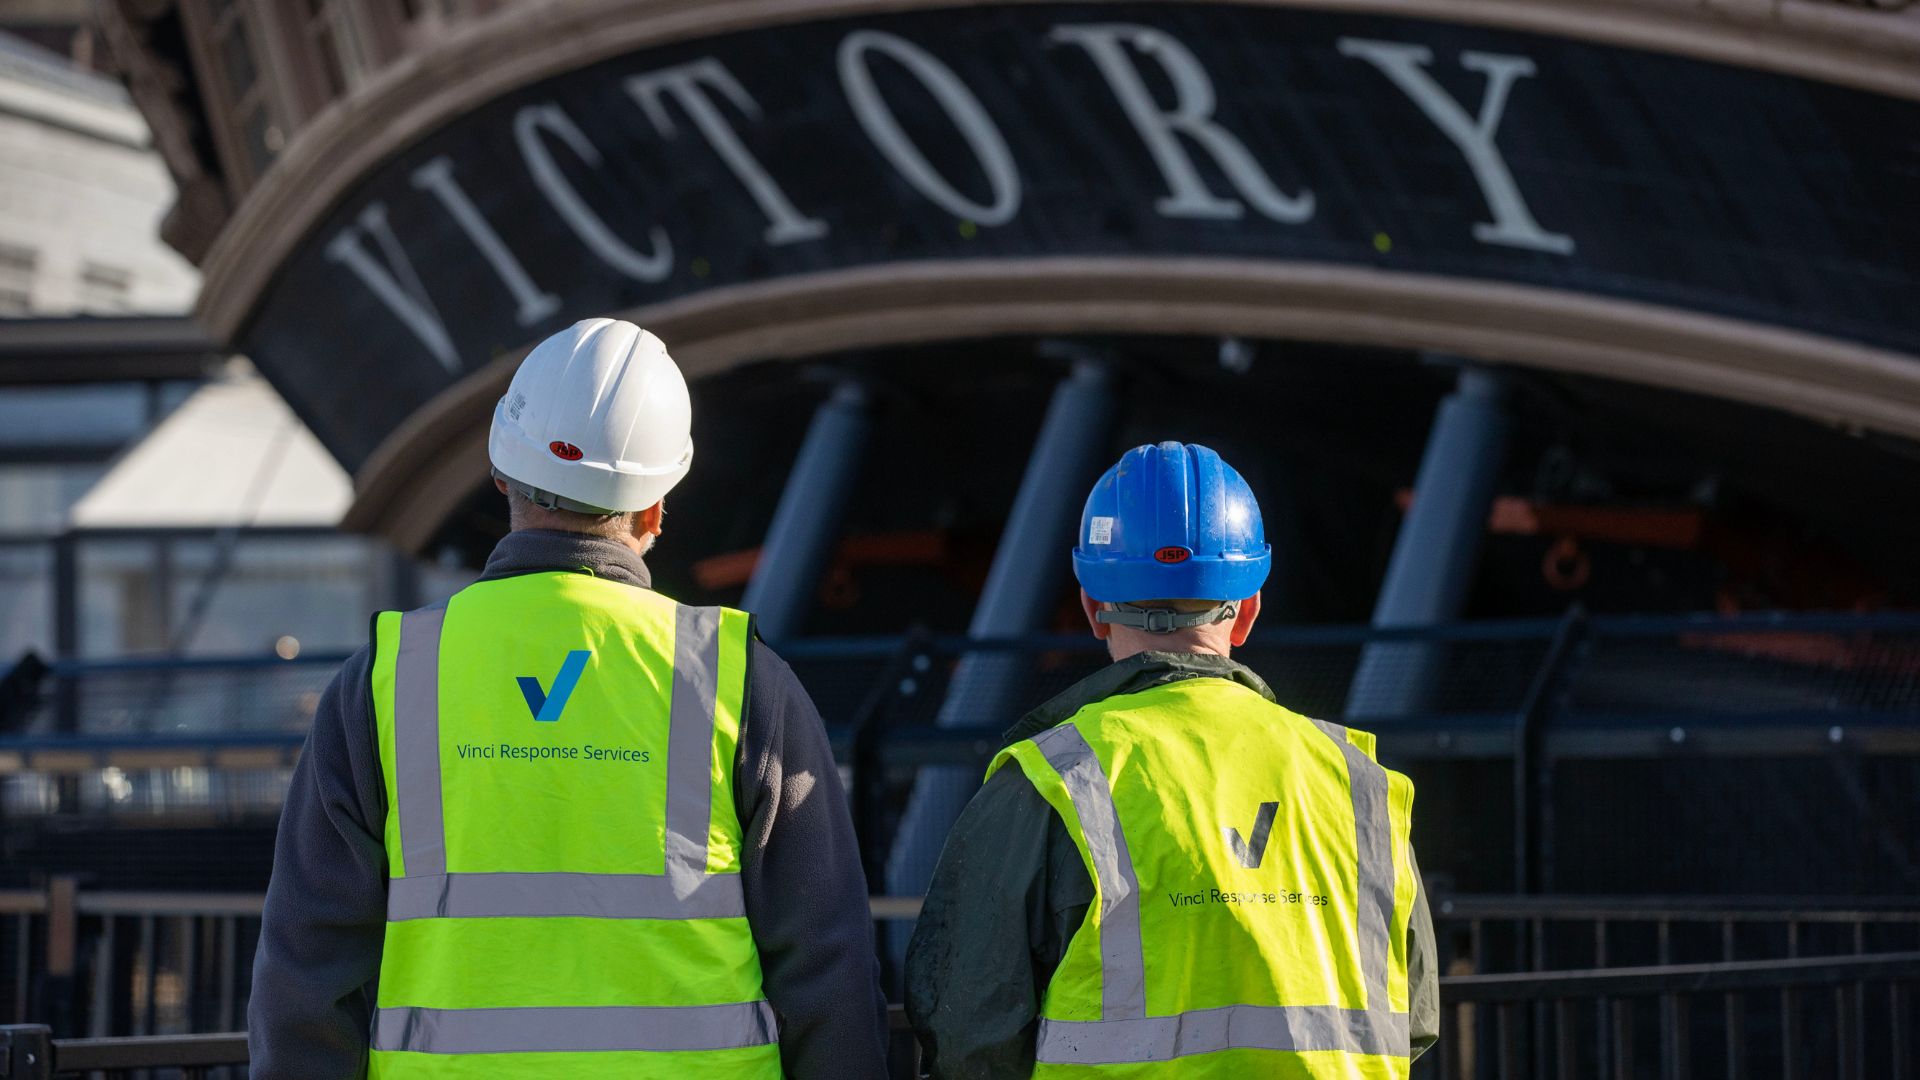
(1433, 558)
(806, 524)
(1029, 568)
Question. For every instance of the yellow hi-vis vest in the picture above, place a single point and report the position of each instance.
(563, 853)
(1253, 885)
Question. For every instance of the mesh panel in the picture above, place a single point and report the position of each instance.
(183, 700)
(1676, 755)
(1752, 671)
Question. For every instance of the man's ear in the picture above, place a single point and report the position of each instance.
(500, 485)
(1091, 607)
(649, 522)
(1243, 622)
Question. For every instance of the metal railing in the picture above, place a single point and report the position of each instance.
(1765, 1021)
(1844, 1017)
(1572, 941)
(1550, 704)
(116, 963)
(1560, 933)
(127, 963)
(30, 1052)
(1631, 670)
(1539, 703)
(1529, 697)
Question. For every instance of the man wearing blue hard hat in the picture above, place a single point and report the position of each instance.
(1168, 873)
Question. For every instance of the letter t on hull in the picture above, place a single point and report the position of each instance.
(689, 85)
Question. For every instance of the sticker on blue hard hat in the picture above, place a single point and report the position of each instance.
(1100, 531)
(1173, 554)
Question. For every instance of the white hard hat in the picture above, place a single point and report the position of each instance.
(596, 421)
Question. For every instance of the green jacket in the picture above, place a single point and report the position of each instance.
(974, 982)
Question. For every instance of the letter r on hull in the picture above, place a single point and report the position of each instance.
(1112, 46)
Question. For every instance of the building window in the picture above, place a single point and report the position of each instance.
(337, 40)
(105, 288)
(35, 497)
(242, 99)
(17, 265)
(423, 21)
(447, 10)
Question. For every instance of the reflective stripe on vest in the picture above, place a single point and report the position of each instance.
(1125, 1033)
(684, 890)
(582, 1029)
(1297, 1028)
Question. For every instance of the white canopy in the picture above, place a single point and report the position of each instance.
(232, 454)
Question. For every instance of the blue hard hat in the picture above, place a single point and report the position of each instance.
(1171, 522)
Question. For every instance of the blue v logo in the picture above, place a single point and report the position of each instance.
(548, 704)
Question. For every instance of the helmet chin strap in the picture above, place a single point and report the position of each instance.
(1165, 620)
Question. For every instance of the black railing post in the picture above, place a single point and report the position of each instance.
(1532, 787)
(1623, 1056)
(1508, 1030)
(1531, 779)
(1452, 1052)
(1899, 1006)
(1566, 1056)
(66, 629)
(869, 726)
(60, 979)
(901, 677)
(26, 1052)
(1734, 1013)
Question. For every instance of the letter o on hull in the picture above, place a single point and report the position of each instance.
(975, 126)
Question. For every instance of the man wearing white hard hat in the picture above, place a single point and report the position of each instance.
(562, 825)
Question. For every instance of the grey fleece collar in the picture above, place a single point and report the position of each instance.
(1141, 671)
(536, 551)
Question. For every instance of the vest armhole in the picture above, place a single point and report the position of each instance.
(372, 716)
(750, 771)
(1051, 794)
(733, 695)
(747, 671)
